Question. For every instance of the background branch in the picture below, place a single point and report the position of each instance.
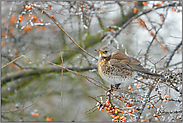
(173, 53)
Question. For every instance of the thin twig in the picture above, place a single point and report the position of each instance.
(20, 109)
(8, 58)
(138, 15)
(173, 53)
(68, 35)
(155, 35)
(86, 77)
(61, 87)
(22, 56)
(143, 106)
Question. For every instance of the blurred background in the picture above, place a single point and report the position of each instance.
(149, 31)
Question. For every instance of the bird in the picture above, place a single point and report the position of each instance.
(117, 68)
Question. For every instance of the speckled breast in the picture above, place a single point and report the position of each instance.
(113, 74)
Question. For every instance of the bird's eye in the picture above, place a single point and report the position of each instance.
(105, 52)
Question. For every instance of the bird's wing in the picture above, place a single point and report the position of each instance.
(130, 64)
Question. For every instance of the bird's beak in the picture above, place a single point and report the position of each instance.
(99, 51)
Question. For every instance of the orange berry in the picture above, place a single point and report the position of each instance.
(178, 11)
(36, 110)
(158, 4)
(26, 6)
(167, 96)
(34, 18)
(20, 20)
(154, 115)
(123, 117)
(117, 117)
(116, 112)
(162, 46)
(130, 111)
(107, 101)
(16, 52)
(82, 10)
(111, 30)
(165, 101)
(162, 19)
(162, 1)
(155, 39)
(144, 3)
(2, 43)
(49, 7)
(152, 34)
(86, 5)
(141, 22)
(49, 119)
(129, 87)
(29, 8)
(99, 10)
(148, 106)
(143, 120)
(3, 34)
(124, 120)
(135, 110)
(51, 16)
(35, 114)
(149, 8)
(108, 109)
(20, 16)
(113, 120)
(135, 10)
(156, 119)
(102, 109)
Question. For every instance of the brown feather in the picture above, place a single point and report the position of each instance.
(122, 61)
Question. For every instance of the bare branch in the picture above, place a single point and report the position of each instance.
(173, 53)
(38, 71)
(68, 35)
(20, 109)
(138, 15)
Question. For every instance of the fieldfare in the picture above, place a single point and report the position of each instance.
(117, 68)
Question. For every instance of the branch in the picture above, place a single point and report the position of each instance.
(69, 36)
(143, 105)
(39, 71)
(161, 25)
(8, 58)
(173, 53)
(20, 109)
(138, 15)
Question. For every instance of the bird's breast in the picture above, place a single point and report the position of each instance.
(113, 74)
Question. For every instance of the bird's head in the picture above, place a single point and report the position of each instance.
(106, 52)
